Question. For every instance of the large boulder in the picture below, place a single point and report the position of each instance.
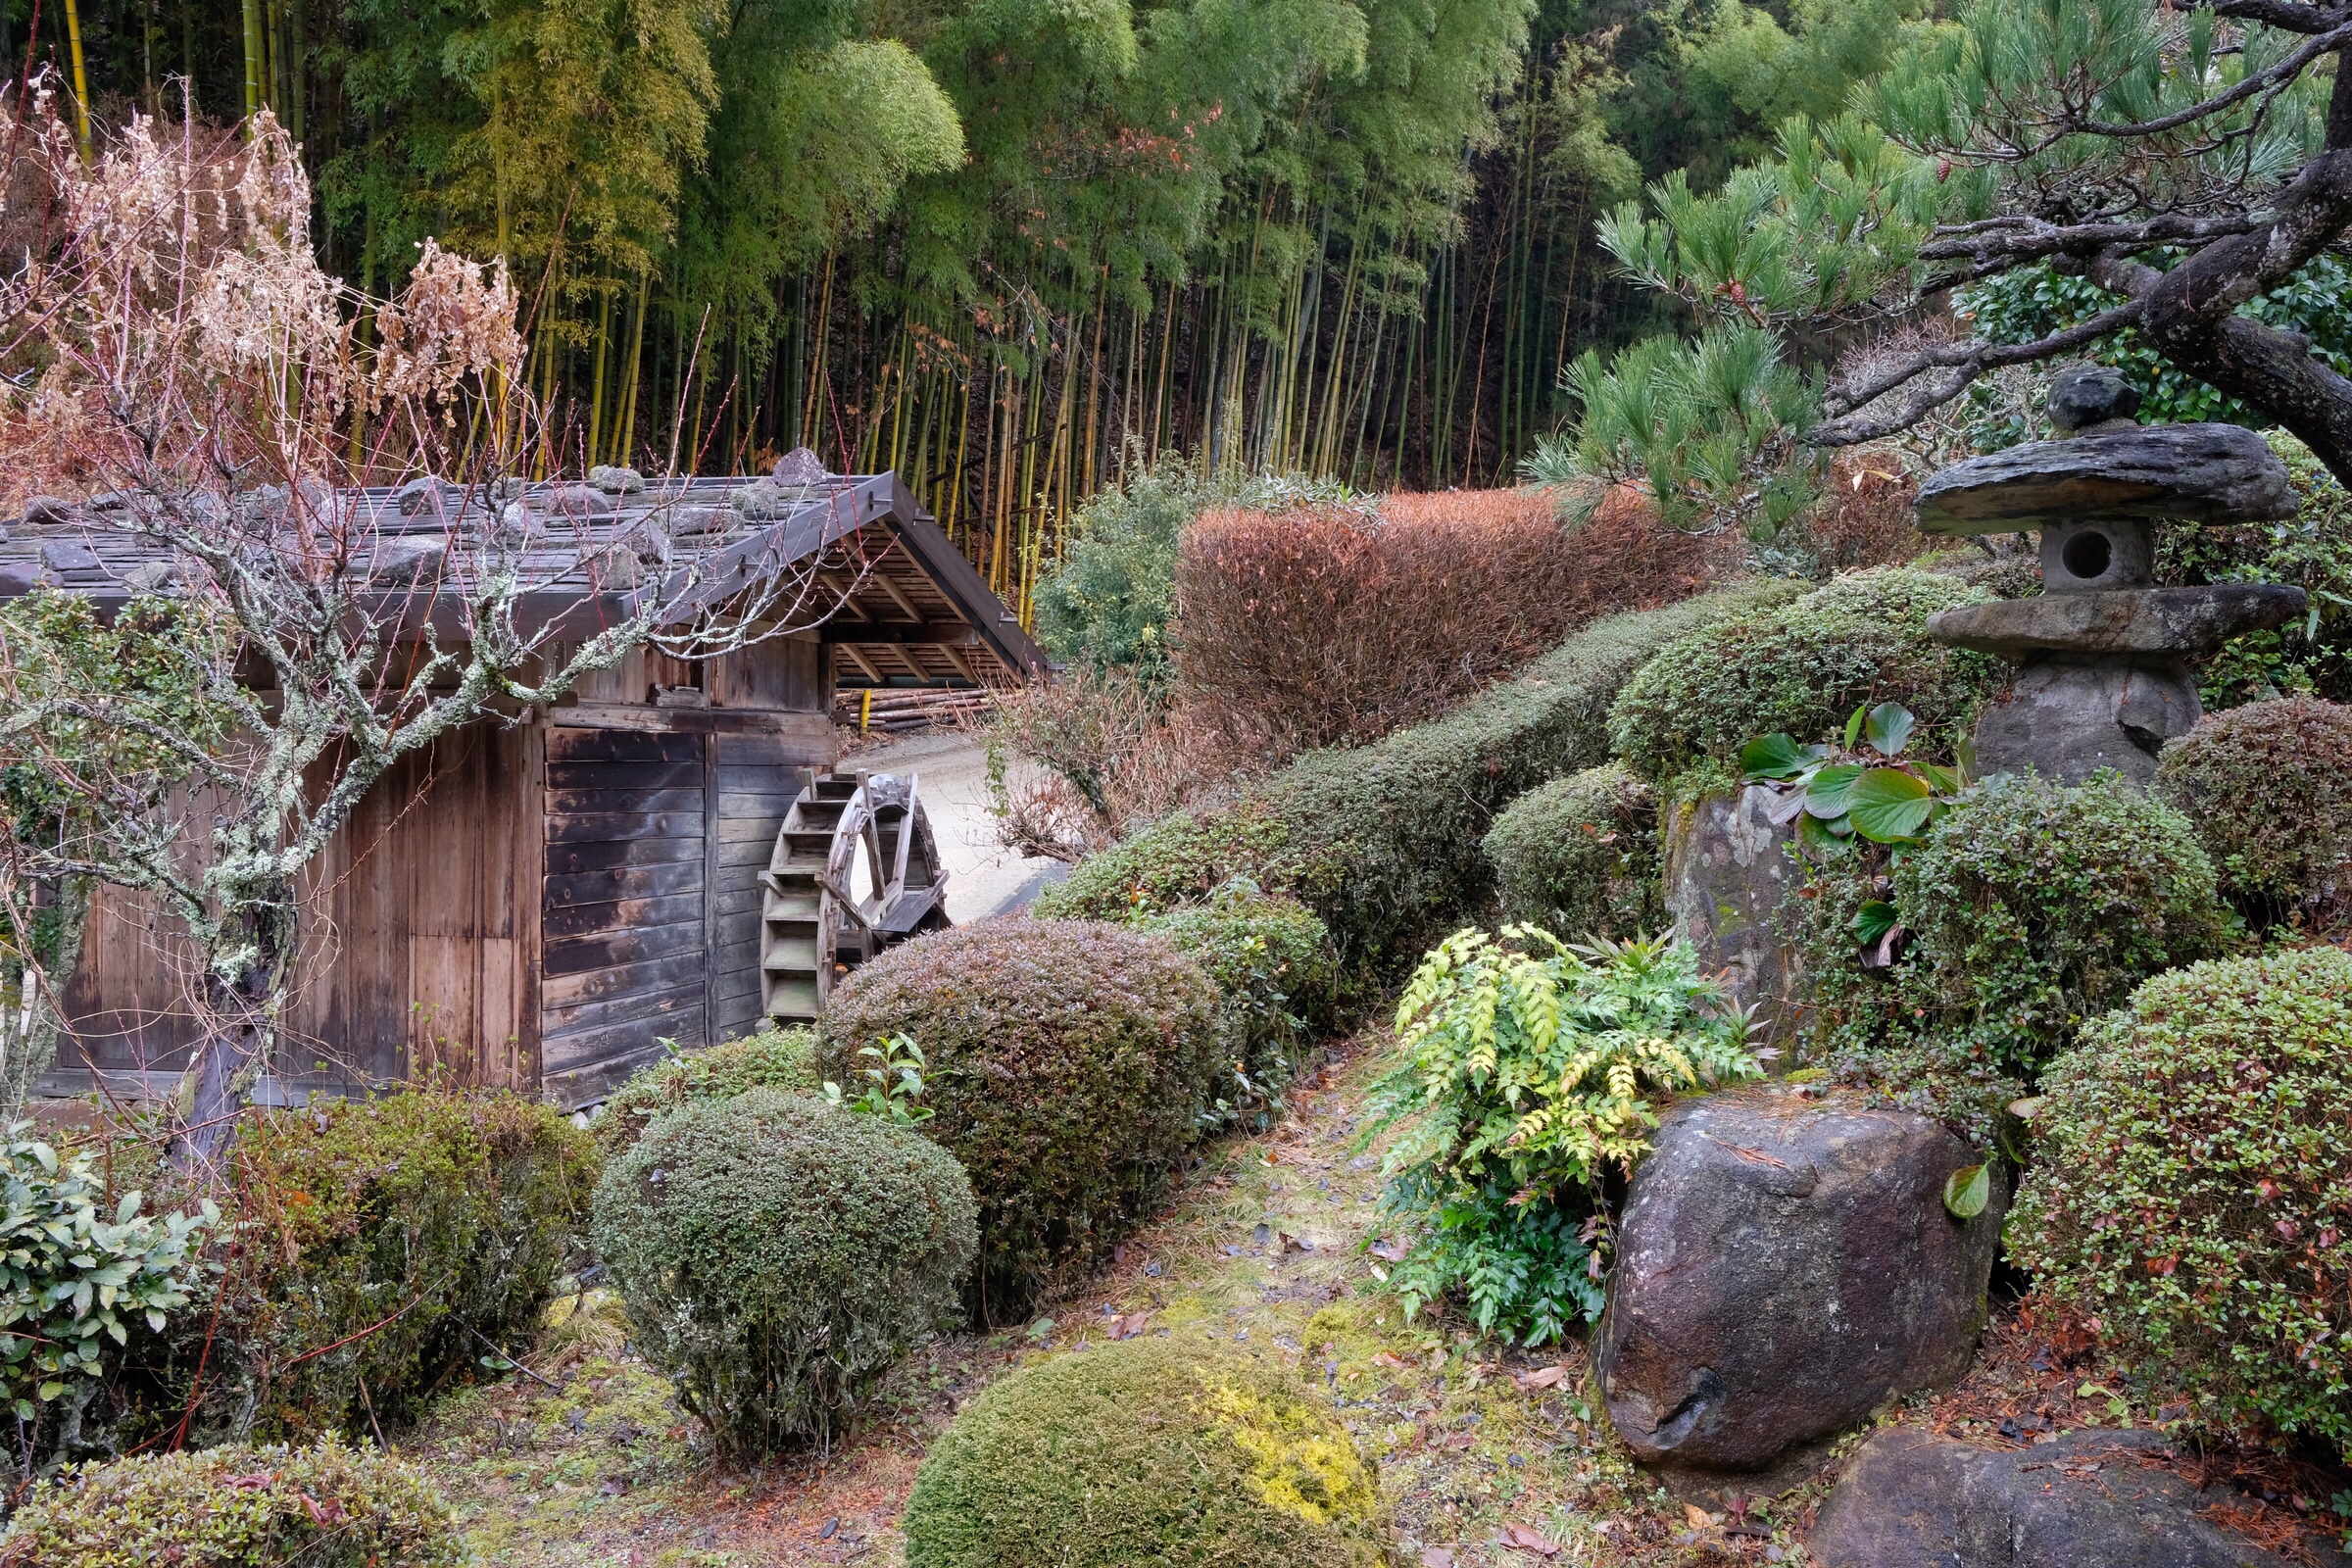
(1910, 1497)
(1784, 1264)
(1726, 872)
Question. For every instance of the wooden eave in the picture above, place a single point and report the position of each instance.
(910, 606)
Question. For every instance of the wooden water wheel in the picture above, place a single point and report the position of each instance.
(856, 870)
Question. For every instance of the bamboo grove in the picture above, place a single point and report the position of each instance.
(1004, 247)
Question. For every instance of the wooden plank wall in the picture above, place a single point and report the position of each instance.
(417, 953)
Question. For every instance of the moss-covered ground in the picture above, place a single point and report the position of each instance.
(1487, 1456)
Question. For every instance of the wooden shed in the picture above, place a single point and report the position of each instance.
(540, 904)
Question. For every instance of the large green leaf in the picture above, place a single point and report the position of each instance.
(1831, 790)
(1889, 728)
(1966, 1191)
(1872, 922)
(1888, 806)
(1777, 757)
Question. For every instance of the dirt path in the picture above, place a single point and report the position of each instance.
(984, 877)
(1262, 1244)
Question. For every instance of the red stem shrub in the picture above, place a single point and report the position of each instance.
(1325, 627)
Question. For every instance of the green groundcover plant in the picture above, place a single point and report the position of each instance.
(79, 1277)
(2193, 1199)
(1525, 1075)
(237, 1506)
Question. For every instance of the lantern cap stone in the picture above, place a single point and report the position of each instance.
(2086, 396)
(2199, 473)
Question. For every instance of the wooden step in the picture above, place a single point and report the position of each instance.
(794, 1001)
(791, 955)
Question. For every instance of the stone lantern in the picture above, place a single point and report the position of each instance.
(2106, 655)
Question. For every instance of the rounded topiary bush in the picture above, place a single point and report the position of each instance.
(1069, 1065)
(1800, 669)
(775, 1255)
(1145, 1454)
(2194, 1198)
(237, 1506)
(774, 1058)
(2026, 908)
(1272, 963)
(2269, 787)
(1580, 854)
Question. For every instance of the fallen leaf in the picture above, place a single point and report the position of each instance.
(1543, 1377)
(1129, 1326)
(1388, 1250)
(1698, 1517)
(1436, 1558)
(1522, 1538)
(1384, 1358)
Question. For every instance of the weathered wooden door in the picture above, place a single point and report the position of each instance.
(625, 948)
(650, 915)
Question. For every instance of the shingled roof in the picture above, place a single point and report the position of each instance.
(910, 606)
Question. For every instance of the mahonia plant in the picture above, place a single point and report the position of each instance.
(1526, 1070)
(71, 1280)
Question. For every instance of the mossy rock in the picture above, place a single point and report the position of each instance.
(1142, 1454)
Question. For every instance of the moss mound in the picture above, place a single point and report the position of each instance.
(2269, 787)
(1142, 1454)
(2195, 1179)
(237, 1506)
(774, 1058)
(1069, 1065)
(1800, 669)
(1580, 854)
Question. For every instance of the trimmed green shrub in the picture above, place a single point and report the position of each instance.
(1070, 1063)
(1799, 669)
(1382, 841)
(776, 1254)
(1277, 981)
(2026, 907)
(2313, 552)
(1145, 1454)
(1580, 854)
(423, 1228)
(2269, 787)
(2195, 1198)
(325, 1506)
(774, 1058)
